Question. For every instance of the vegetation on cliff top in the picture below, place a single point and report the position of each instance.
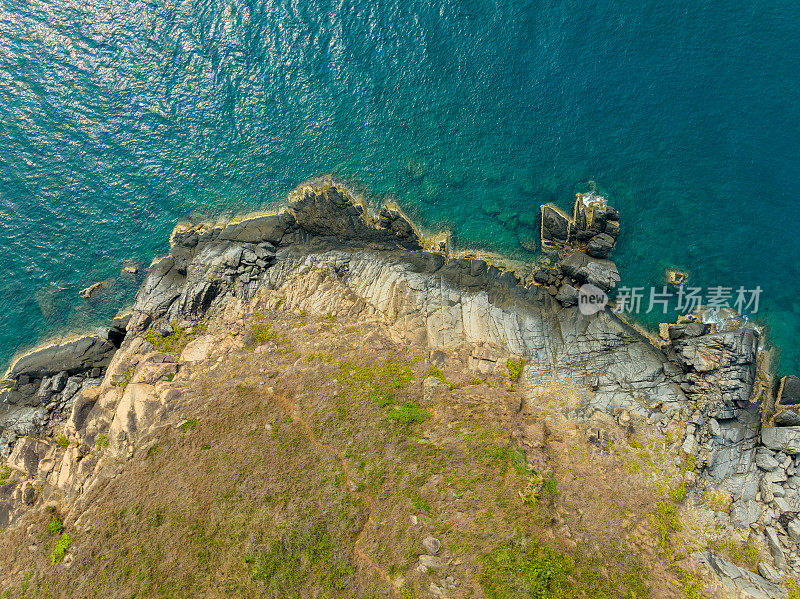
(297, 474)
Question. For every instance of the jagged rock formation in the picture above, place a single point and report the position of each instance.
(326, 254)
(41, 386)
(582, 244)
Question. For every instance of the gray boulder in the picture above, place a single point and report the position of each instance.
(789, 393)
(432, 545)
(774, 544)
(783, 438)
(585, 269)
(600, 245)
(745, 513)
(766, 460)
(567, 295)
(787, 418)
(793, 528)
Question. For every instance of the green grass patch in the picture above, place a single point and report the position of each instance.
(408, 415)
(437, 373)
(792, 588)
(61, 547)
(526, 569)
(742, 553)
(189, 425)
(176, 340)
(665, 520)
(55, 526)
(289, 563)
(319, 357)
(515, 369)
(380, 382)
(5, 474)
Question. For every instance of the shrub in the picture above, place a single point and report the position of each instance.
(166, 343)
(189, 425)
(261, 334)
(63, 441)
(127, 377)
(175, 341)
(55, 526)
(5, 474)
(515, 369)
(408, 414)
(102, 441)
(60, 550)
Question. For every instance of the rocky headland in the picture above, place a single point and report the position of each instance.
(690, 426)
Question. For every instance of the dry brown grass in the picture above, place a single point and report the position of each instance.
(291, 479)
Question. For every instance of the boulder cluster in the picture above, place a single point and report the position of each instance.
(582, 243)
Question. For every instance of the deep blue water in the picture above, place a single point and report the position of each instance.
(119, 118)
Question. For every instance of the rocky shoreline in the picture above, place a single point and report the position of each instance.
(326, 254)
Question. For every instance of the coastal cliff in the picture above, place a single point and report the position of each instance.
(671, 459)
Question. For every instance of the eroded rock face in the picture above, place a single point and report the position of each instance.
(582, 243)
(41, 385)
(327, 255)
(717, 371)
(739, 582)
(785, 439)
(29, 454)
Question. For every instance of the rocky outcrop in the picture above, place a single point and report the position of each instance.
(717, 374)
(593, 227)
(41, 387)
(739, 582)
(582, 244)
(325, 253)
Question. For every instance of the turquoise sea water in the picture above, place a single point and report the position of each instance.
(119, 118)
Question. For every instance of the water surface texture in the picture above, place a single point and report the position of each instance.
(119, 118)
